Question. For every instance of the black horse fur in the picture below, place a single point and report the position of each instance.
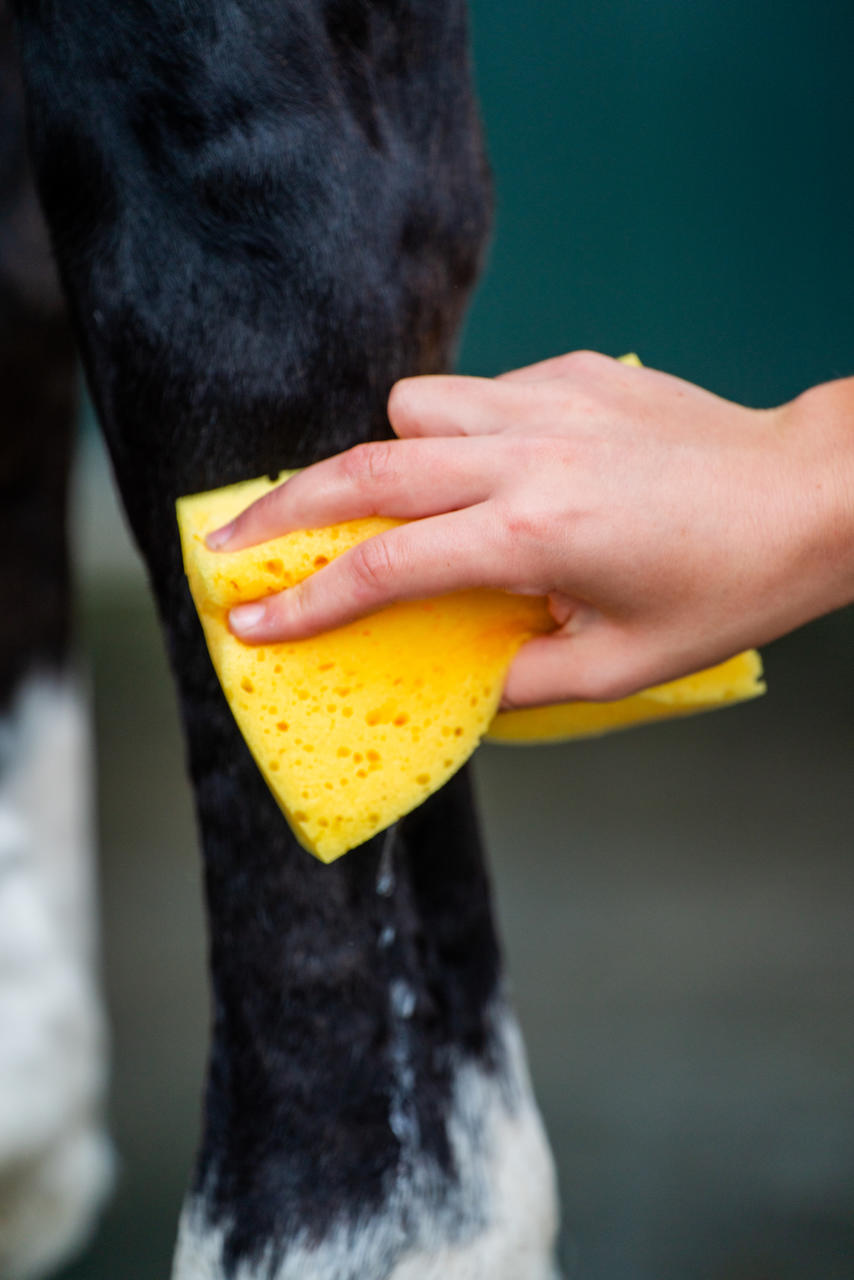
(264, 212)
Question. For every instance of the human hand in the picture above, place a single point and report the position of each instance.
(668, 528)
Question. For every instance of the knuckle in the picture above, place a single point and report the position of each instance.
(403, 402)
(372, 565)
(540, 456)
(293, 605)
(282, 612)
(369, 465)
(585, 364)
(563, 457)
(523, 523)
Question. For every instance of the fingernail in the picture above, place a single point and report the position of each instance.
(245, 617)
(219, 537)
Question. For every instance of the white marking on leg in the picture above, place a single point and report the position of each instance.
(55, 1162)
(497, 1220)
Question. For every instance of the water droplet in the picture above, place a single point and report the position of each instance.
(402, 1119)
(385, 869)
(402, 999)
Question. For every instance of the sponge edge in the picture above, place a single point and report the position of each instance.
(736, 680)
(353, 728)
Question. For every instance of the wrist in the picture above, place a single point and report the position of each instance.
(819, 427)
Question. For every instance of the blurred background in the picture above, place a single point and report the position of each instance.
(677, 902)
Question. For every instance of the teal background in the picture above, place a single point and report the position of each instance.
(674, 178)
(677, 902)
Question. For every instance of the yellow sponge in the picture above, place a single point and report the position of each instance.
(736, 680)
(353, 728)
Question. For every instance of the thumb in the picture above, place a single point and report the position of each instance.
(578, 663)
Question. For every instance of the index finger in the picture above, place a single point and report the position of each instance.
(407, 479)
(411, 562)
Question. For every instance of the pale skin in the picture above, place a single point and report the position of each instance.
(668, 528)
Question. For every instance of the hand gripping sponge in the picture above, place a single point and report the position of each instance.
(354, 728)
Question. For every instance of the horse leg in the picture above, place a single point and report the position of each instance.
(54, 1159)
(265, 212)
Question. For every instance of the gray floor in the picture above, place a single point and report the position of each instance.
(678, 910)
